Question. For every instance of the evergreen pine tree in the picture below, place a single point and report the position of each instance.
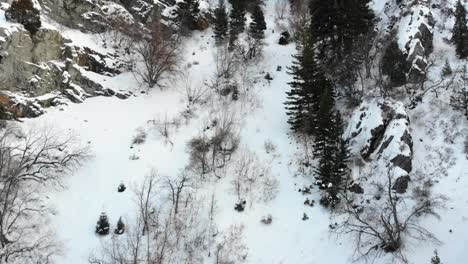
(220, 22)
(303, 100)
(459, 100)
(102, 226)
(237, 20)
(258, 25)
(120, 229)
(188, 12)
(447, 70)
(394, 64)
(435, 259)
(460, 31)
(336, 25)
(331, 150)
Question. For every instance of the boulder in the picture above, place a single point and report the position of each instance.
(380, 132)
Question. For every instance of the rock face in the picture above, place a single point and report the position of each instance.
(416, 33)
(46, 63)
(380, 131)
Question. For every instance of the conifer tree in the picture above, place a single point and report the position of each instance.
(120, 229)
(435, 259)
(336, 25)
(303, 100)
(460, 31)
(459, 100)
(258, 25)
(447, 70)
(188, 12)
(102, 226)
(221, 23)
(237, 20)
(331, 150)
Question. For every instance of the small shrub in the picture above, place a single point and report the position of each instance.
(240, 206)
(267, 220)
(140, 137)
(121, 188)
(269, 146)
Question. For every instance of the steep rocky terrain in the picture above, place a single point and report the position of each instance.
(73, 74)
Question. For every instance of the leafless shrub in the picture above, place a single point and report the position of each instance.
(140, 137)
(199, 147)
(226, 64)
(253, 180)
(165, 127)
(231, 249)
(384, 227)
(270, 147)
(214, 147)
(193, 95)
(28, 162)
(159, 51)
(225, 139)
(122, 33)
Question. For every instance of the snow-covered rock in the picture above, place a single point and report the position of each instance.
(379, 131)
(416, 38)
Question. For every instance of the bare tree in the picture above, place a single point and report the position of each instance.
(226, 65)
(146, 198)
(165, 127)
(225, 139)
(199, 147)
(29, 162)
(383, 228)
(177, 188)
(159, 50)
(300, 18)
(230, 249)
(281, 7)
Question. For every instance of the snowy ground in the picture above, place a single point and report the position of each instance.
(109, 124)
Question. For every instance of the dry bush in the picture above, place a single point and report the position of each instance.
(253, 181)
(384, 227)
(159, 51)
(140, 137)
(231, 249)
(214, 147)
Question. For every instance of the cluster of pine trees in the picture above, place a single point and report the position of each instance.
(460, 31)
(332, 36)
(229, 26)
(188, 12)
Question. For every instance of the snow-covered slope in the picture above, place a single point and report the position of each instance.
(108, 125)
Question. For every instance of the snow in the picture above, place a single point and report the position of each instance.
(108, 124)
